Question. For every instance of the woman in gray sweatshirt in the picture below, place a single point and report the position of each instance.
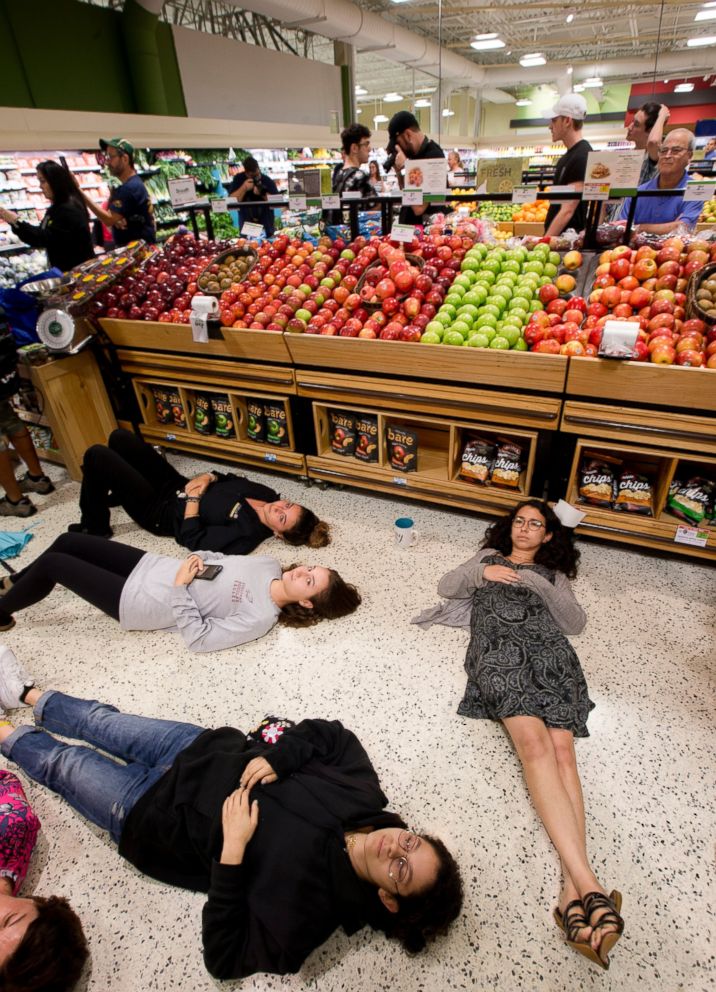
(143, 591)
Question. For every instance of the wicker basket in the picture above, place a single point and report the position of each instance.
(417, 260)
(238, 253)
(693, 309)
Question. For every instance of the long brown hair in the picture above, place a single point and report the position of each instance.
(308, 530)
(338, 600)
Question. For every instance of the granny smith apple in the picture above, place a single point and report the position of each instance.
(500, 343)
(454, 337)
(431, 337)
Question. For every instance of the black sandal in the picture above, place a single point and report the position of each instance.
(570, 925)
(594, 901)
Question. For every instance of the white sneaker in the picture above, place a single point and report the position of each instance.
(13, 679)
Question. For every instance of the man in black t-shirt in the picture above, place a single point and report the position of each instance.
(407, 141)
(350, 177)
(566, 122)
(130, 214)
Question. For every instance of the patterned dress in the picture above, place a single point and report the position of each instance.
(19, 827)
(518, 662)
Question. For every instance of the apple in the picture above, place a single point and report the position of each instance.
(661, 320)
(641, 352)
(694, 325)
(548, 293)
(565, 284)
(689, 343)
(611, 296)
(571, 315)
(711, 360)
(572, 260)
(547, 347)
(619, 268)
(556, 306)
(665, 355)
(691, 359)
(572, 348)
(644, 269)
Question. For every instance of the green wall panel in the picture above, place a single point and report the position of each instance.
(170, 72)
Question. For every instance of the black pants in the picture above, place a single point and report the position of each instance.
(139, 479)
(91, 567)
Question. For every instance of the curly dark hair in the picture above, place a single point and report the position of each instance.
(353, 135)
(651, 112)
(559, 553)
(338, 600)
(51, 955)
(427, 914)
(309, 530)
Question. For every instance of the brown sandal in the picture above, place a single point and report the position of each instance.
(594, 901)
(571, 924)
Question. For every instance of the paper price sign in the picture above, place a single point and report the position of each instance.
(297, 202)
(596, 191)
(352, 194)
(402, 232)
(524, 194)
(619, 338)
(275, 198)
(182, 191)
(220, 206)
(412, 197)
(699, 191)
(331, 202)
(691, 535)
(250, 230)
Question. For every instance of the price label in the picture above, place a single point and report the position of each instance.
(699, 191)
(220, 206)
(269, 456)
(412, 197)
(250, 230)
(199, 327)
(182, 191)
(275, 198)
(332, 202)
(297, 202)
(691, 535)
(402, 232)
(352, 194)
(619, 338)
(596, 191)
(524, 194)
(400, 480)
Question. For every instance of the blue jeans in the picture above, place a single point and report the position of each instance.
(101, 789)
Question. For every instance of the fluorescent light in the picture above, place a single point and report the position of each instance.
(528, 61)
(448, 113)
(683, 87)
(360, 91)
(423, 103)
(485, 37)
(487, 45)
(523, 103)
(358, 111)
(578, 88)
(593, 82)
(706, 15)
(399, 1)
(380, 119)
(393, 97)
(709, 39)
(569, 18)
(570, 70)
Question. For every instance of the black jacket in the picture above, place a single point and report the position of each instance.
(64, 233)
(226, 522)
(296, 884)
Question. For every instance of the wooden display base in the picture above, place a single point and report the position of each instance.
(641, 382)
(261, 456)
(643, 532)
(263, 346)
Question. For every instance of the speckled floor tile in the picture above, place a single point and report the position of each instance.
(648, 769)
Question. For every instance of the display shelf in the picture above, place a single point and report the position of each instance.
(641, 382)
(672, 430)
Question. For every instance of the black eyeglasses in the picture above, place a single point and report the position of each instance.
(399, 868)
(532, 523)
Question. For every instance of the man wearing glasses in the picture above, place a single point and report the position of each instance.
(352, 177)
(663, 214)
(130, 214)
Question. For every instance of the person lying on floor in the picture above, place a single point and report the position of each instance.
(285, 828)
(516, 598)
(215, 601)
(42, 944)
(214, 511)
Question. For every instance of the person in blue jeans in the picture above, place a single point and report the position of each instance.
(182, 804)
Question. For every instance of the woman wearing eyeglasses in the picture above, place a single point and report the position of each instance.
(285, 828)
(516, 596)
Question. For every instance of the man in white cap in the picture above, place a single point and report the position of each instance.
(567, 118)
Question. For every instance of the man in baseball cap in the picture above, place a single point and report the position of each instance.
(407, 141)
(566, 120)
(129, 212)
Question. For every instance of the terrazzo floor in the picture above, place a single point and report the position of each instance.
(648, 769)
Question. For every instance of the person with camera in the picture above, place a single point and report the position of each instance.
(407, 142)
(251, 188)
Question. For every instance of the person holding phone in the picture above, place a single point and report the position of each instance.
(243, 598)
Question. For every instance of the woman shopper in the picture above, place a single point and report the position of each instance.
(214, 511)
(374, 176)
(215, 601)
(285, 828)
(64, 232)
(516, 597)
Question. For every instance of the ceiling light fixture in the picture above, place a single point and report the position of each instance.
(393, 97)
(709, 39)
(380, 119)
(423, 103)
(569, 18)
(570, 70)
(593, 82)
(524, 102)
(448, 113)
(485, 37)
(683, 87)
(399, 1)
(578, 88)
(706, 15)
(533, 59)
(360, 91)
(487, 44)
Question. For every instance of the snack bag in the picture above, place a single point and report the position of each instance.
(276, 426)
(162, 405)
(203, 414)
(635, 494)
(509, 459)
(343, 432)
(478, 457)
(692, 501)
(177, 408)
(256, 422)
(223, 415)
(597, 480)
(366, 427)
(402, 447)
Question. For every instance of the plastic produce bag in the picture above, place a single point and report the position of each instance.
(23, 309)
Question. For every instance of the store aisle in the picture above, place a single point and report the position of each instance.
(648, 768)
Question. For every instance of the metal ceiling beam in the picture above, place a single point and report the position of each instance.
(584, 7)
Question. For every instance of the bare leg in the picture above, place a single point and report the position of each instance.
(7, 478)
(536, 750)
(22, 443)
(563, 743)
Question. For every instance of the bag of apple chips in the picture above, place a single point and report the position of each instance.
(223, 415)
(343, 432)
(509, 459)
(692, 501)
(276, 426)
(177, 408)
(597, 480)
(161, 405)
(256, 422)
(203, 415)
(478, 457)
(634, 494)
(402, 447)
(366, 426)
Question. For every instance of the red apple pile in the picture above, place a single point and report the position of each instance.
(559, 328)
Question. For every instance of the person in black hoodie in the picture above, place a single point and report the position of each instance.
(285, 828)
(64, 232)
(214, 511)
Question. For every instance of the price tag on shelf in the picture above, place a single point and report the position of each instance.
(400, 480)
(297, 202)
(699, 191)
(352, 194)
(596, 191)
(250, 230)
(691, 535)
(618, 339)
(221, 206)
(524, 194)
(269, 456)
(199, 327)
(275, 197)
(332, 202)
(402, 232)
(182, 191)
(412, 197)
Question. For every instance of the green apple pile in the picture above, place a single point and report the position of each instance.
(495, 211)
(489, 303)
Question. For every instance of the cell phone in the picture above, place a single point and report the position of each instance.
(209, 572)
